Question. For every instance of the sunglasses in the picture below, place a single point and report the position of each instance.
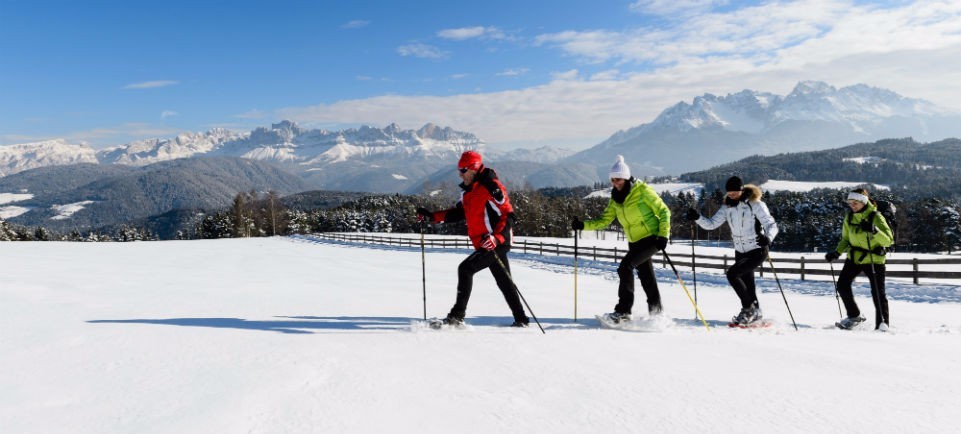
(463, 170)
(617, 179)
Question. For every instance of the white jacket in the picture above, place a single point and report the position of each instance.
(741, 219)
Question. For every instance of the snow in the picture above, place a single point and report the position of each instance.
(799, 186)
(65, 211)
(6, 198)
(400, 177)
(9, 212)
(864, 160)
(670, 187)
(289, 335)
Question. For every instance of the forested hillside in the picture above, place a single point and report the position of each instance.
(913, 170)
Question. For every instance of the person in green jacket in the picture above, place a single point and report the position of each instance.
(865, 236)
(647, 224)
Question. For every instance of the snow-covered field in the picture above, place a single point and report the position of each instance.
(288, 335)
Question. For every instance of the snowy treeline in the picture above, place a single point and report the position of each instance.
(813, 219)
(808, 221)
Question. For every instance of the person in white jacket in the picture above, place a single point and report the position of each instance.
(752, 230)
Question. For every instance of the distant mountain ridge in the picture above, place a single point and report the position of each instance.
(815, 115)
(912, 168)
(105, 195)
(685, 137)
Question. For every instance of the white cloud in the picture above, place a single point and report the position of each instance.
(168, 113)
(673, 8)
(513, 72)
(459, 76)
(463, 33)
(911, 49)
(423, 51)
(610, 74)
(355, 24)
(565, 76)
(151, 84)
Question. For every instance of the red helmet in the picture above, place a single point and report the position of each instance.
(470, 160)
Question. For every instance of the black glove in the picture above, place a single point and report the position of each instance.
(424, 214)
(576, 224)
(868, 226)
(878, 250)
(763, 241)
(831, 256)
(661, 243)
(692, 214)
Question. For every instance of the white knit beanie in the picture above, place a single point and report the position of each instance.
(620, 169)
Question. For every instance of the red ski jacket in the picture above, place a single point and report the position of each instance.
(486, 208)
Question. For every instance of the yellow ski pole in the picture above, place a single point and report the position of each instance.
(696, 309)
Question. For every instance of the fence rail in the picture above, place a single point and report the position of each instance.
(803, 267)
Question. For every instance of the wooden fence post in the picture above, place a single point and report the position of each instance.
(914, 263)
(802, 268)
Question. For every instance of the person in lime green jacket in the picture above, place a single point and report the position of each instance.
(647, 224)
(865, 236)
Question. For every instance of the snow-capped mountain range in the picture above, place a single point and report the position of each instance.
(712, 129)
(329, 159)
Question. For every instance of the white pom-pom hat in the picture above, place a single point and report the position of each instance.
(620, 169)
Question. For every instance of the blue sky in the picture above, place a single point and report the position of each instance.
(516, 73)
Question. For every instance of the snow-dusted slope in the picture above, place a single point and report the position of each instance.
(26, 156)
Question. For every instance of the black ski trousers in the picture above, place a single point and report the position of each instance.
(875, 275)
(478, 261)
(638, 258)
(741, 275)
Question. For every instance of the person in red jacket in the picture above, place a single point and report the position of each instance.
(489, 215)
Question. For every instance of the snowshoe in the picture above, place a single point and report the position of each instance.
(449, 321)
(748, 315)
(849, 322)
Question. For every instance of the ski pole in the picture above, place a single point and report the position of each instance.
(836, 295)
(776, 279)
(575, 275)
(511, 279)
(875, 290)
(694, 262)
(423, 269)
(696, 309)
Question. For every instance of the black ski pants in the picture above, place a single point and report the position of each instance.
(478, 261)
(741, 275)
(875, 275)
(638, 258)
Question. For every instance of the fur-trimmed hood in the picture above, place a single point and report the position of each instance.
(751, 193)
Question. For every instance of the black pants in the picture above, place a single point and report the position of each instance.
(480, 260)
(638, 258)
(741, 274)
(875, 275)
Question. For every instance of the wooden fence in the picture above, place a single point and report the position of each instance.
(800, 266)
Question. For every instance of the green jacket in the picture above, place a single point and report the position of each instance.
(642, 214)
(854, 241)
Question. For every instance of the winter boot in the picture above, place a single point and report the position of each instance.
(654, 309)
(617, 318)
(450, 321)
(520, 324)
(747, 316)
(849, 322)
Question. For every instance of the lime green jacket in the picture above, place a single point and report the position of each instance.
(642, 214)
(855, 242)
